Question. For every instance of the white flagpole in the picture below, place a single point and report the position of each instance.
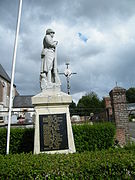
(13, 73)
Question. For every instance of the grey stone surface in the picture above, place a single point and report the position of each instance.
(50, 97)
(49, 78)
(50, 103)
(22, 102)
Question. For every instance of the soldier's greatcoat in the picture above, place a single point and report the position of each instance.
(48, 54)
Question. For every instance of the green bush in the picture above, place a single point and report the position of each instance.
(21, 140)
(105, 164)
(87, 138)
(91, 137)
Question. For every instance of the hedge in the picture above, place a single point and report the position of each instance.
(21, 140)
(105, 164)
(92, 137)
(87, 138)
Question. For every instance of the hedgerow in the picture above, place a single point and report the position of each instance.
(21, 140)
(105, 164)
(87, 138)
(92, 137)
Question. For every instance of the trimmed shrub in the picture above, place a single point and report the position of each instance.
(3, 138)
(92, 137)
(87, 138)
(105, 164)
(21, 140)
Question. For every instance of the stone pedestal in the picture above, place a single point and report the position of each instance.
(53, 130)
(120, 113)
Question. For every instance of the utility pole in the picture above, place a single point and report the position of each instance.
(67, 73)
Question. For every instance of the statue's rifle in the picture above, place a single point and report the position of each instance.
(57, 79)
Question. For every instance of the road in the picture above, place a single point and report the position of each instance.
(132, 129)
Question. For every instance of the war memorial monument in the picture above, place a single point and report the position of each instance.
(53, 130)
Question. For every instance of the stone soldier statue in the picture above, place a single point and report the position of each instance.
(49, 77)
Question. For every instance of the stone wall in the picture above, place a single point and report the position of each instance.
(120, 114)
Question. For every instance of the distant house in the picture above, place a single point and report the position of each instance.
(108, 108)
(22, 105)
(23, 109)
(5, 82)
(131, 108)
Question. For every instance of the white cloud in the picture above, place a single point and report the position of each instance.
(106, 57)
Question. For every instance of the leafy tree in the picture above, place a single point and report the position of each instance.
(130, 95)
(72, 108)
(90, 103)
(72, 105)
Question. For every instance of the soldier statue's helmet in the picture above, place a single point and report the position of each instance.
(48, 31)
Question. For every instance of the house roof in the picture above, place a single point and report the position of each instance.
(3, 74)
(22, 102)
(131, 106)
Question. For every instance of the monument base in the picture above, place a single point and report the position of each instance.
(53, 130)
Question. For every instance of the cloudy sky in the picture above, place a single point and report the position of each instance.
(97, 38)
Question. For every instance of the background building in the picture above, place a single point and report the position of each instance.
(23, 110)
(5, 82)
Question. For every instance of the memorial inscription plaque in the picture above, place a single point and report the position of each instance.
(53, 132)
